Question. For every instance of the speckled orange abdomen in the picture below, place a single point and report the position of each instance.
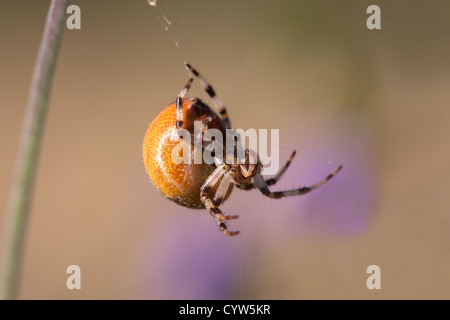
(180, 183)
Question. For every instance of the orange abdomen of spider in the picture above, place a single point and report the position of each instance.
(181, 182)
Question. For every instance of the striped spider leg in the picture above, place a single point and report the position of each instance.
(262, 185)
(212, 94)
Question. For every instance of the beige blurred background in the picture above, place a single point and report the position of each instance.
(376, 101)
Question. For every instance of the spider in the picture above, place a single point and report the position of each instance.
(205, 185)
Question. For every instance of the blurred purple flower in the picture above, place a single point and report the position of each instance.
(344, 204)
(191, 259)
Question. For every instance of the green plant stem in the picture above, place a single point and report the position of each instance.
(21, 190)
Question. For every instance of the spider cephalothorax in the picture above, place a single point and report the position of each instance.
(249, 167)
(205, 185)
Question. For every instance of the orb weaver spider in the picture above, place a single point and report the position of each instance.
(205, 185)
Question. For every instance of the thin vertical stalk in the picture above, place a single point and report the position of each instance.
(21, 190)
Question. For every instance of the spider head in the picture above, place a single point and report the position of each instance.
(247, 168)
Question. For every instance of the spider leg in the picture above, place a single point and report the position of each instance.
(179, 114)
(210, 91)
(262, 186)
(213, 206)
(224, 187)
(273, 180)
(179, 103)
